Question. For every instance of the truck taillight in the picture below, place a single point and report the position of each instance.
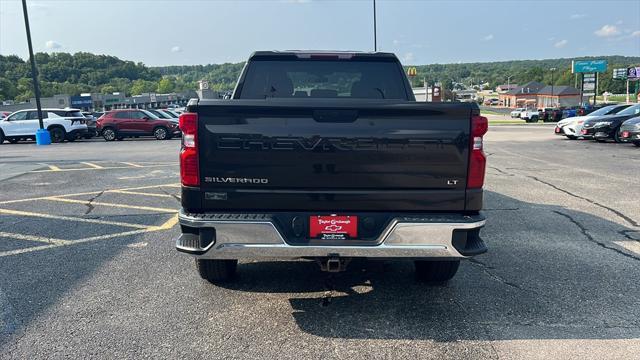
(477, 159)
(189, 163)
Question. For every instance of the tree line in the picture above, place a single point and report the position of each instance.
(82, 72)
(453, 76)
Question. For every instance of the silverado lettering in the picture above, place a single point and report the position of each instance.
(257, 142)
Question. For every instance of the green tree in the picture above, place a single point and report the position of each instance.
(143, 86)
(166, 85)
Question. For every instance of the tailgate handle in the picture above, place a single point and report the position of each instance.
(335, 116)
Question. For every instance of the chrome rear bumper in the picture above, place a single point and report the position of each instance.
(256, 236)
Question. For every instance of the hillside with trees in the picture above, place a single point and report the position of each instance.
(63, 73)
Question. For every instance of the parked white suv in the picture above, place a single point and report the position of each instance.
(516, 113)
(63, 124)
(530, 115)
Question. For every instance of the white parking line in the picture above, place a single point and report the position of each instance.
(93, 165)
(166, 226)
(34, 238)
(132, 164)
(85, 202)
(70, 218)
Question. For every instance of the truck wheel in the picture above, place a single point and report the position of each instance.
(217, 271)
(571, 137)
(1, 137)
(436, 271)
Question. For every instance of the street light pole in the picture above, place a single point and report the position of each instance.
(552, 71)
(42, 135)
(375, 30)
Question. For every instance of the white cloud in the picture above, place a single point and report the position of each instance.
(488, 37)
(52, 45)
(577, 16)
(607, 31)
(561, 44)
(408, 57)
(176, 49)
(635, 33)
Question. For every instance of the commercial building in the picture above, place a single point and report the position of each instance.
(523, 96)
(96, 101)
(558, 96)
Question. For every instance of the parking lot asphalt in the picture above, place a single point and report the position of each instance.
(88, 266)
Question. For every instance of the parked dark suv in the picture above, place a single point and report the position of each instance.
(119, 124)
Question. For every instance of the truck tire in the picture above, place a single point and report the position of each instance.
(436, 271)
(217, 271)
(1, 137)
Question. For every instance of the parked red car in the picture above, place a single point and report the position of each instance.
(119, 124)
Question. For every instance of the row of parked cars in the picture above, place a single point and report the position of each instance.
(72, 124)
(620, 123)
(552, 114)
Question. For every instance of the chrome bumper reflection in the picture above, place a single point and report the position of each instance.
(261, 239)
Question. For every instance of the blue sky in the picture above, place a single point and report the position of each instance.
(163, 32)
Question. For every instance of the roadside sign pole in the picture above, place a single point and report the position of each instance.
(42, 136)
(627, 91)
(595, 94)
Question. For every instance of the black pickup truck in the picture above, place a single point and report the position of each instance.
(328, 156)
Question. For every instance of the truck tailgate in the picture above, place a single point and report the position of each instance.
(333, 155)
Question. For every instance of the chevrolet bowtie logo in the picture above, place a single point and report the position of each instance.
(333, 228)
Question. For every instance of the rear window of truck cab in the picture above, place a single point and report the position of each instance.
(323, 79)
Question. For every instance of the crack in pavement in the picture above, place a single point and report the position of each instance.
(617, 212)
(626, 233)
(620, 214)
(502, 172)
(89, 204)
(585, 232)
(176, 197)
(487, 270)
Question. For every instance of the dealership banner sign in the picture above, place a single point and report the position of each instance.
(588, 66)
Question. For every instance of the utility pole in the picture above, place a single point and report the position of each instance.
(627, 90)
(42, 136)
(375, 30)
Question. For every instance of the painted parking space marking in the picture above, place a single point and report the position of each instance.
(101, 168)
(171, 185)
(124, 206)
(34, 238)
(132, 164)
(50, 243)
(52, 167)
(70, 218)
(95, 166)
(140, 193)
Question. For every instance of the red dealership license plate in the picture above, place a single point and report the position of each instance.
(626, 134)
(333, 227)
